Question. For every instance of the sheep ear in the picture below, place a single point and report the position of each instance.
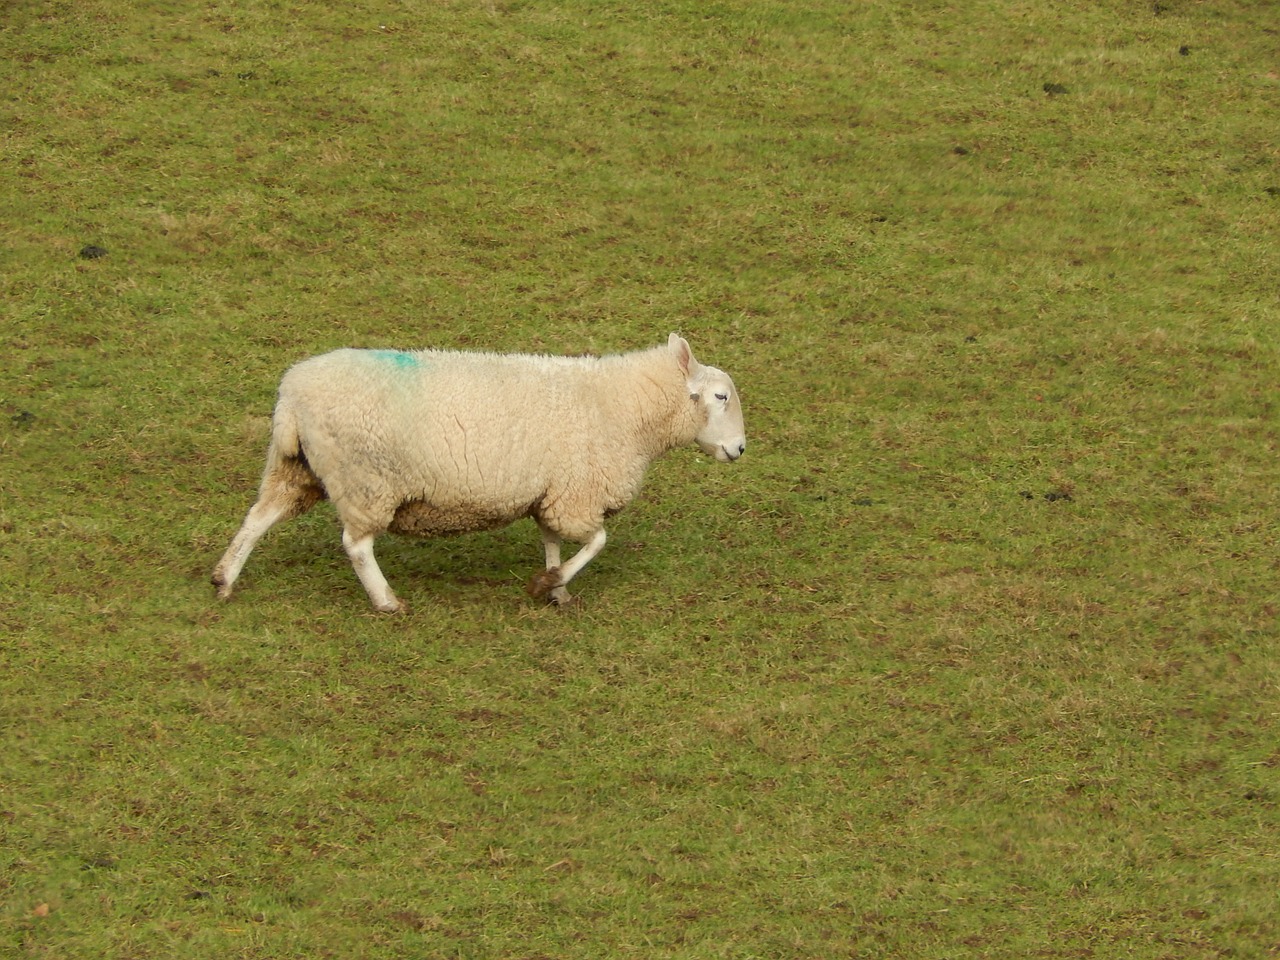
(684, 356)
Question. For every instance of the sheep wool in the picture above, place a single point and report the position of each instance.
(437, 442)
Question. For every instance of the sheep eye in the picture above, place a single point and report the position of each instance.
(722, 396)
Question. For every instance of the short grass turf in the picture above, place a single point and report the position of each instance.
(972, 655)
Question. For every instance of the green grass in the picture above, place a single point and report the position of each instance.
(972, 655)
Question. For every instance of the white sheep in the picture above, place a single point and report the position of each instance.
(438, 442)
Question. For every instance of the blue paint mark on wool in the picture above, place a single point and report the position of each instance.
(397, 357)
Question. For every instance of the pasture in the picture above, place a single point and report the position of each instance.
(972, 654)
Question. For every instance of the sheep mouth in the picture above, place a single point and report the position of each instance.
(727, 455)
(724, 452)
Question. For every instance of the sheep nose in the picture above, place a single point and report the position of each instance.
(733, 454)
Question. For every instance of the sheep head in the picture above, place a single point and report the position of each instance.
(722, 434)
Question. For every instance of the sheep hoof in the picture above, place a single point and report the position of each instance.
(561, 599)
(544, 584)
(391, 606)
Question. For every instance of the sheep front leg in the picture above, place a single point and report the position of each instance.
(551, 548)
(546, 582)
(360, 550)
(551, 582)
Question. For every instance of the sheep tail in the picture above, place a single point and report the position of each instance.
(286, 457)
(286, 444)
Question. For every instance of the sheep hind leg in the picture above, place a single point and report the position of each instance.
(279, 500)
(360, 551)
(550, 583)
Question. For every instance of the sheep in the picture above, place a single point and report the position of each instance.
(438, 442)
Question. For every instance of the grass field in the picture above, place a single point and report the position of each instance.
(973, 654)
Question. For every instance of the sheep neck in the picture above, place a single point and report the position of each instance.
(648, 391)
